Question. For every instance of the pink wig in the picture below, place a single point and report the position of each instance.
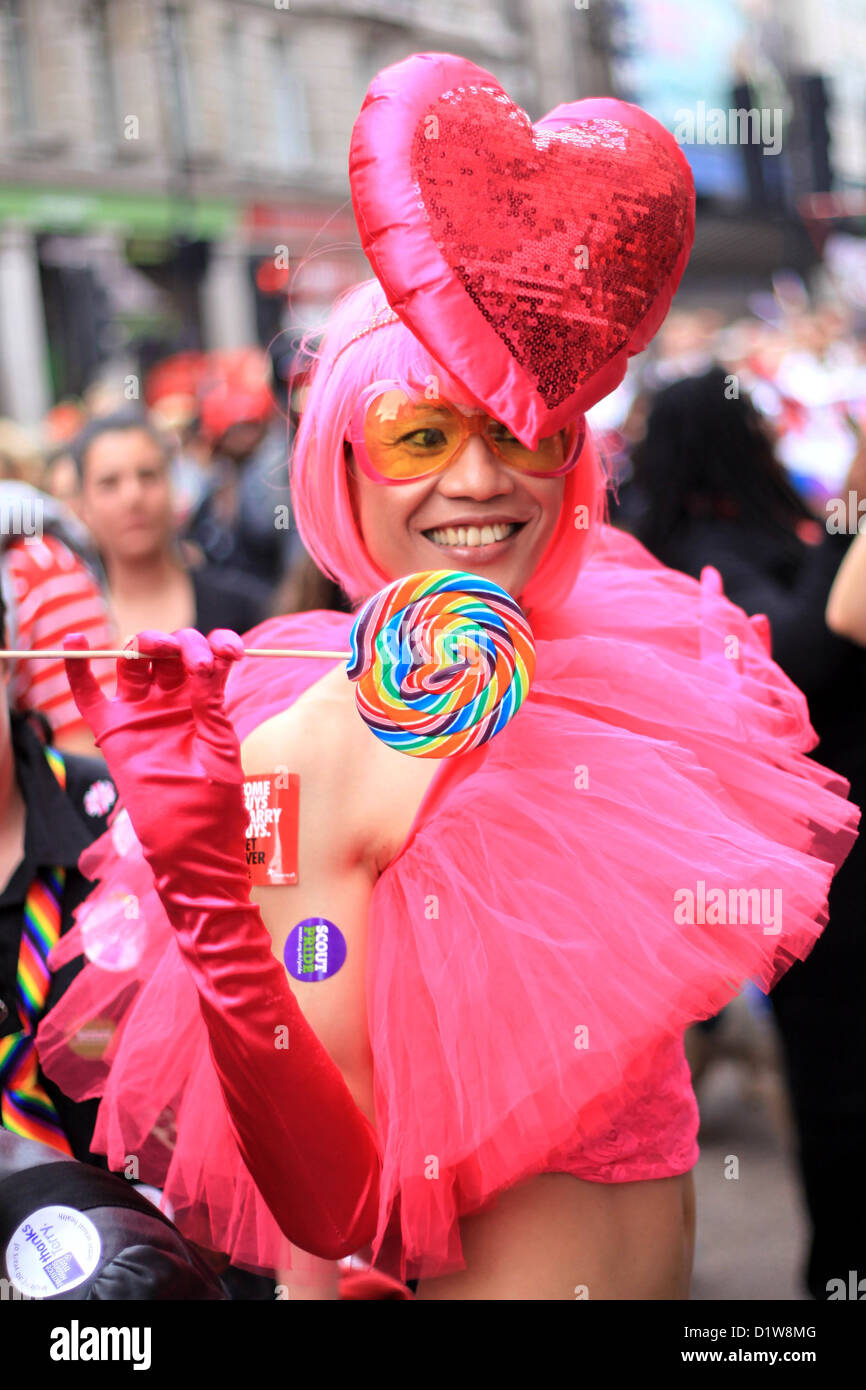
(320, 491)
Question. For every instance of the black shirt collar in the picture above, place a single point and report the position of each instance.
(54, 834)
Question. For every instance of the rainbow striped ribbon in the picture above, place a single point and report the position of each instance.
(25, 1108)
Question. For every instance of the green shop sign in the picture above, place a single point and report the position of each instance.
(76, 210)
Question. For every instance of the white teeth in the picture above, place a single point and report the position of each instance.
(472, 535)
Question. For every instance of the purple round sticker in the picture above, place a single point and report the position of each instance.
(315, 950)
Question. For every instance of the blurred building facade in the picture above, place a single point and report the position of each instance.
(161, 161)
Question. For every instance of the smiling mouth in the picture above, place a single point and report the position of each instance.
(473, 536)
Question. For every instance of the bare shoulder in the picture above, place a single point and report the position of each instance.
(350, 779)
(321, 738)
(313, 733)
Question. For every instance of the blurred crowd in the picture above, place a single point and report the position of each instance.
(161, 507)
(802, 366)
(741, 446)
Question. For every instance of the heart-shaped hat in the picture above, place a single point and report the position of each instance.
(530, 261)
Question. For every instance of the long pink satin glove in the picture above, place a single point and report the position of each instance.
(175, 759)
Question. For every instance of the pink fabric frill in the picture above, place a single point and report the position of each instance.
(646, 835)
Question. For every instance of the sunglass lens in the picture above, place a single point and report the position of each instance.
(548, 458)
(408, 439)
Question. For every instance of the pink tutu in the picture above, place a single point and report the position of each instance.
(644, 837)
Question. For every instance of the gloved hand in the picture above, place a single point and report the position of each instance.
(175, 760)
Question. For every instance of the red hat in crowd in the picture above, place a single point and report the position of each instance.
(180, 375)
(237, 390)
(63, 422)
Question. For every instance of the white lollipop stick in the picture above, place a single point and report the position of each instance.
(133, 655)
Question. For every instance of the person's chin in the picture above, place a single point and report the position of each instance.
(139, 544)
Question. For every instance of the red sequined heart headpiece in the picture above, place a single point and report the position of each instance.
(530, 261)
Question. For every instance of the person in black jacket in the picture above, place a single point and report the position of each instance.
(96, 1238)
(708, 490)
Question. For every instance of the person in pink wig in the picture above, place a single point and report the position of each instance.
(485, 1088)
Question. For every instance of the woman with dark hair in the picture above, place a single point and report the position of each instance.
(708, 490)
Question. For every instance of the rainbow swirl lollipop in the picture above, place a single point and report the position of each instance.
(442, 661)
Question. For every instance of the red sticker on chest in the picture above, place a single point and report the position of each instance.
(272, 828)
